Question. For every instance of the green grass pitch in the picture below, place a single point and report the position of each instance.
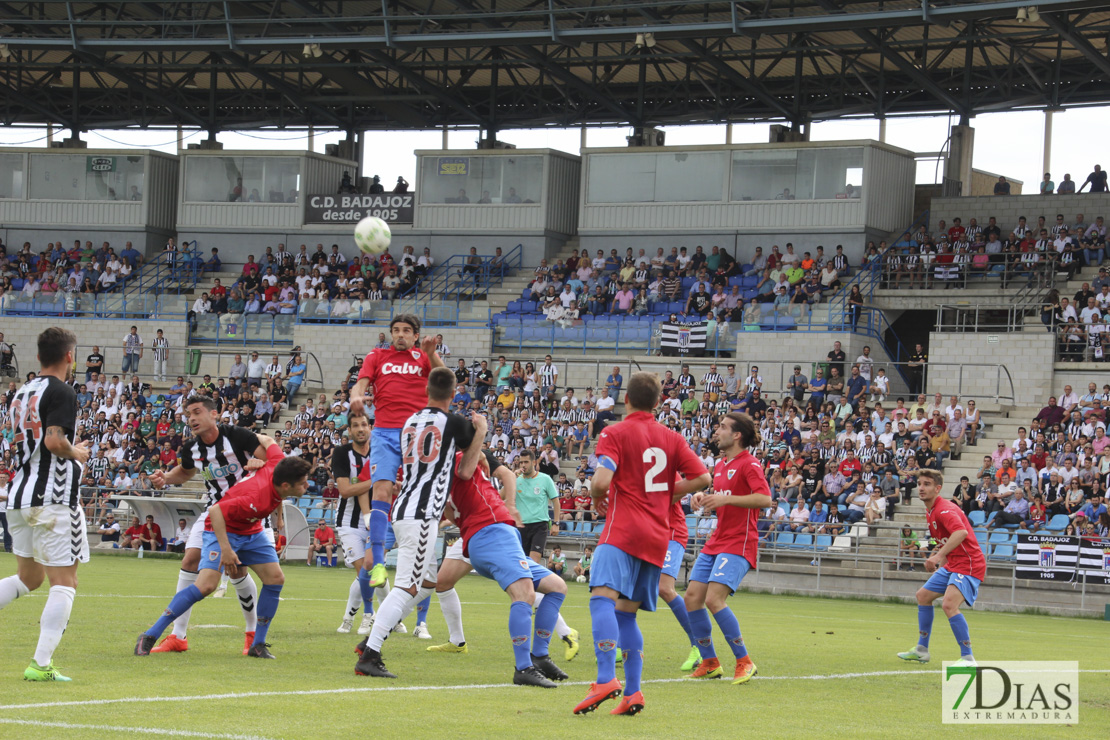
(802, 646)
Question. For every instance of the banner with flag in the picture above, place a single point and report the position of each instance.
(1047, 557)
(683, 339)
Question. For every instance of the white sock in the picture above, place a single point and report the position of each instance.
(11, 588)
(451, 607)
(354, 600)
(247, 590)
(414, 601)
(185, 579)
(389, 614)
(52, 625)
(561, 628)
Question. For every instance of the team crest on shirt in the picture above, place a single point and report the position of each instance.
(524, 564)
(213, 555)
(416, 354)
(731, 473)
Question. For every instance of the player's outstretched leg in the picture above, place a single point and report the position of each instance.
(565, 632)
(351, 609)
(247, 591)
(421, 631)
(678, 607)
(181, 602)
(701, 629)
(520, 627)
(603, 614)
(632, 647)
(268, 602)
(177, 641)
(953, 598)
(379, 523)
(730, 626)
(547, 614)
(920, 652)
(451, 607)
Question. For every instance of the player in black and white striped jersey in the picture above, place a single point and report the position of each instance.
(350, 469)
(429, 441)
(223, 455)
(45, 516)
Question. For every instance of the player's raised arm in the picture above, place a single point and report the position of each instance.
(469, 462)
(428, 346)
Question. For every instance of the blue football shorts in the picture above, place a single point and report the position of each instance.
(942, 578)
(252, 549)
(495, 552)
(675, 553)
(385, 454)
(632, 578)
(725, 567)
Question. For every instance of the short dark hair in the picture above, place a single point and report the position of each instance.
(644, 390)
(207, 402)
(53, 345)
(441, 384)
(525, 453)
(406, 318)
(290, 470)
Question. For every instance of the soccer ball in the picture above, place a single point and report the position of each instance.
(581, 579)
(372, 235)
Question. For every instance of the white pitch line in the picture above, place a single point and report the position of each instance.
(141, 730)
(394, 689)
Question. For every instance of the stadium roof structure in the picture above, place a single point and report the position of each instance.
(503, 64)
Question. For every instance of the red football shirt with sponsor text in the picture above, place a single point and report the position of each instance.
(967, 558)
(400, 381)
(736, 530)
(648, 458)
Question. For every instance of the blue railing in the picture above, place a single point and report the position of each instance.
(98, 306)
(165, 274)
(455, 278)
(240, 330)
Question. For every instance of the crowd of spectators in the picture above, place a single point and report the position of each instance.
(713, 286)
(57, 272)
(1058, 465)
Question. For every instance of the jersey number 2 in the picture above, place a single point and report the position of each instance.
(658, 460)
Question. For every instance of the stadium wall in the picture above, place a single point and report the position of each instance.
(1007, 210)
(107, 334)
(337, 347)
(1027, 355)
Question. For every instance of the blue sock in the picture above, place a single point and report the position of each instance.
(702, 631)
(367, 591)
(267, 608)
(729, 625)
(422, 610)
(632, 645)
(546, 617)
(603, 613)
(520, 624)
(963, 636)
(182, 601)
(924, 624)
(379, 522)
(678, 606)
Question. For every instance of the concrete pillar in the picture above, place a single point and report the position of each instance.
(50, 135)
(180, 137)
(582, 138)
(1046, 165)
(882, 130)
(444, 138)
(311, 137)
(960, 147)
(728, 133)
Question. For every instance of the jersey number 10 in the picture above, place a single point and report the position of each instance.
(417, 447)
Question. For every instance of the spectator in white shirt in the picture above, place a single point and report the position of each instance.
(1069, 401)
(799, 515)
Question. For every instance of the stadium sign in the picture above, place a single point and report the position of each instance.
(100, 164)
(393, 208)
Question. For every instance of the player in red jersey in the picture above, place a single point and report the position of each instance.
(233, 537)
(491, 542)
(633, 488)
(399, 377)
(739, 492)
(958, 568)
(676, 550)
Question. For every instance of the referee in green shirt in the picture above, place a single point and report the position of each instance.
(533, 492)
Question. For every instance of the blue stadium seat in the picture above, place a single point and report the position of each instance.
(802, 541)
(823, 541)
(531, 306)
(1058, 523)
(750, 282)
(784, 539)
(977, 518)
